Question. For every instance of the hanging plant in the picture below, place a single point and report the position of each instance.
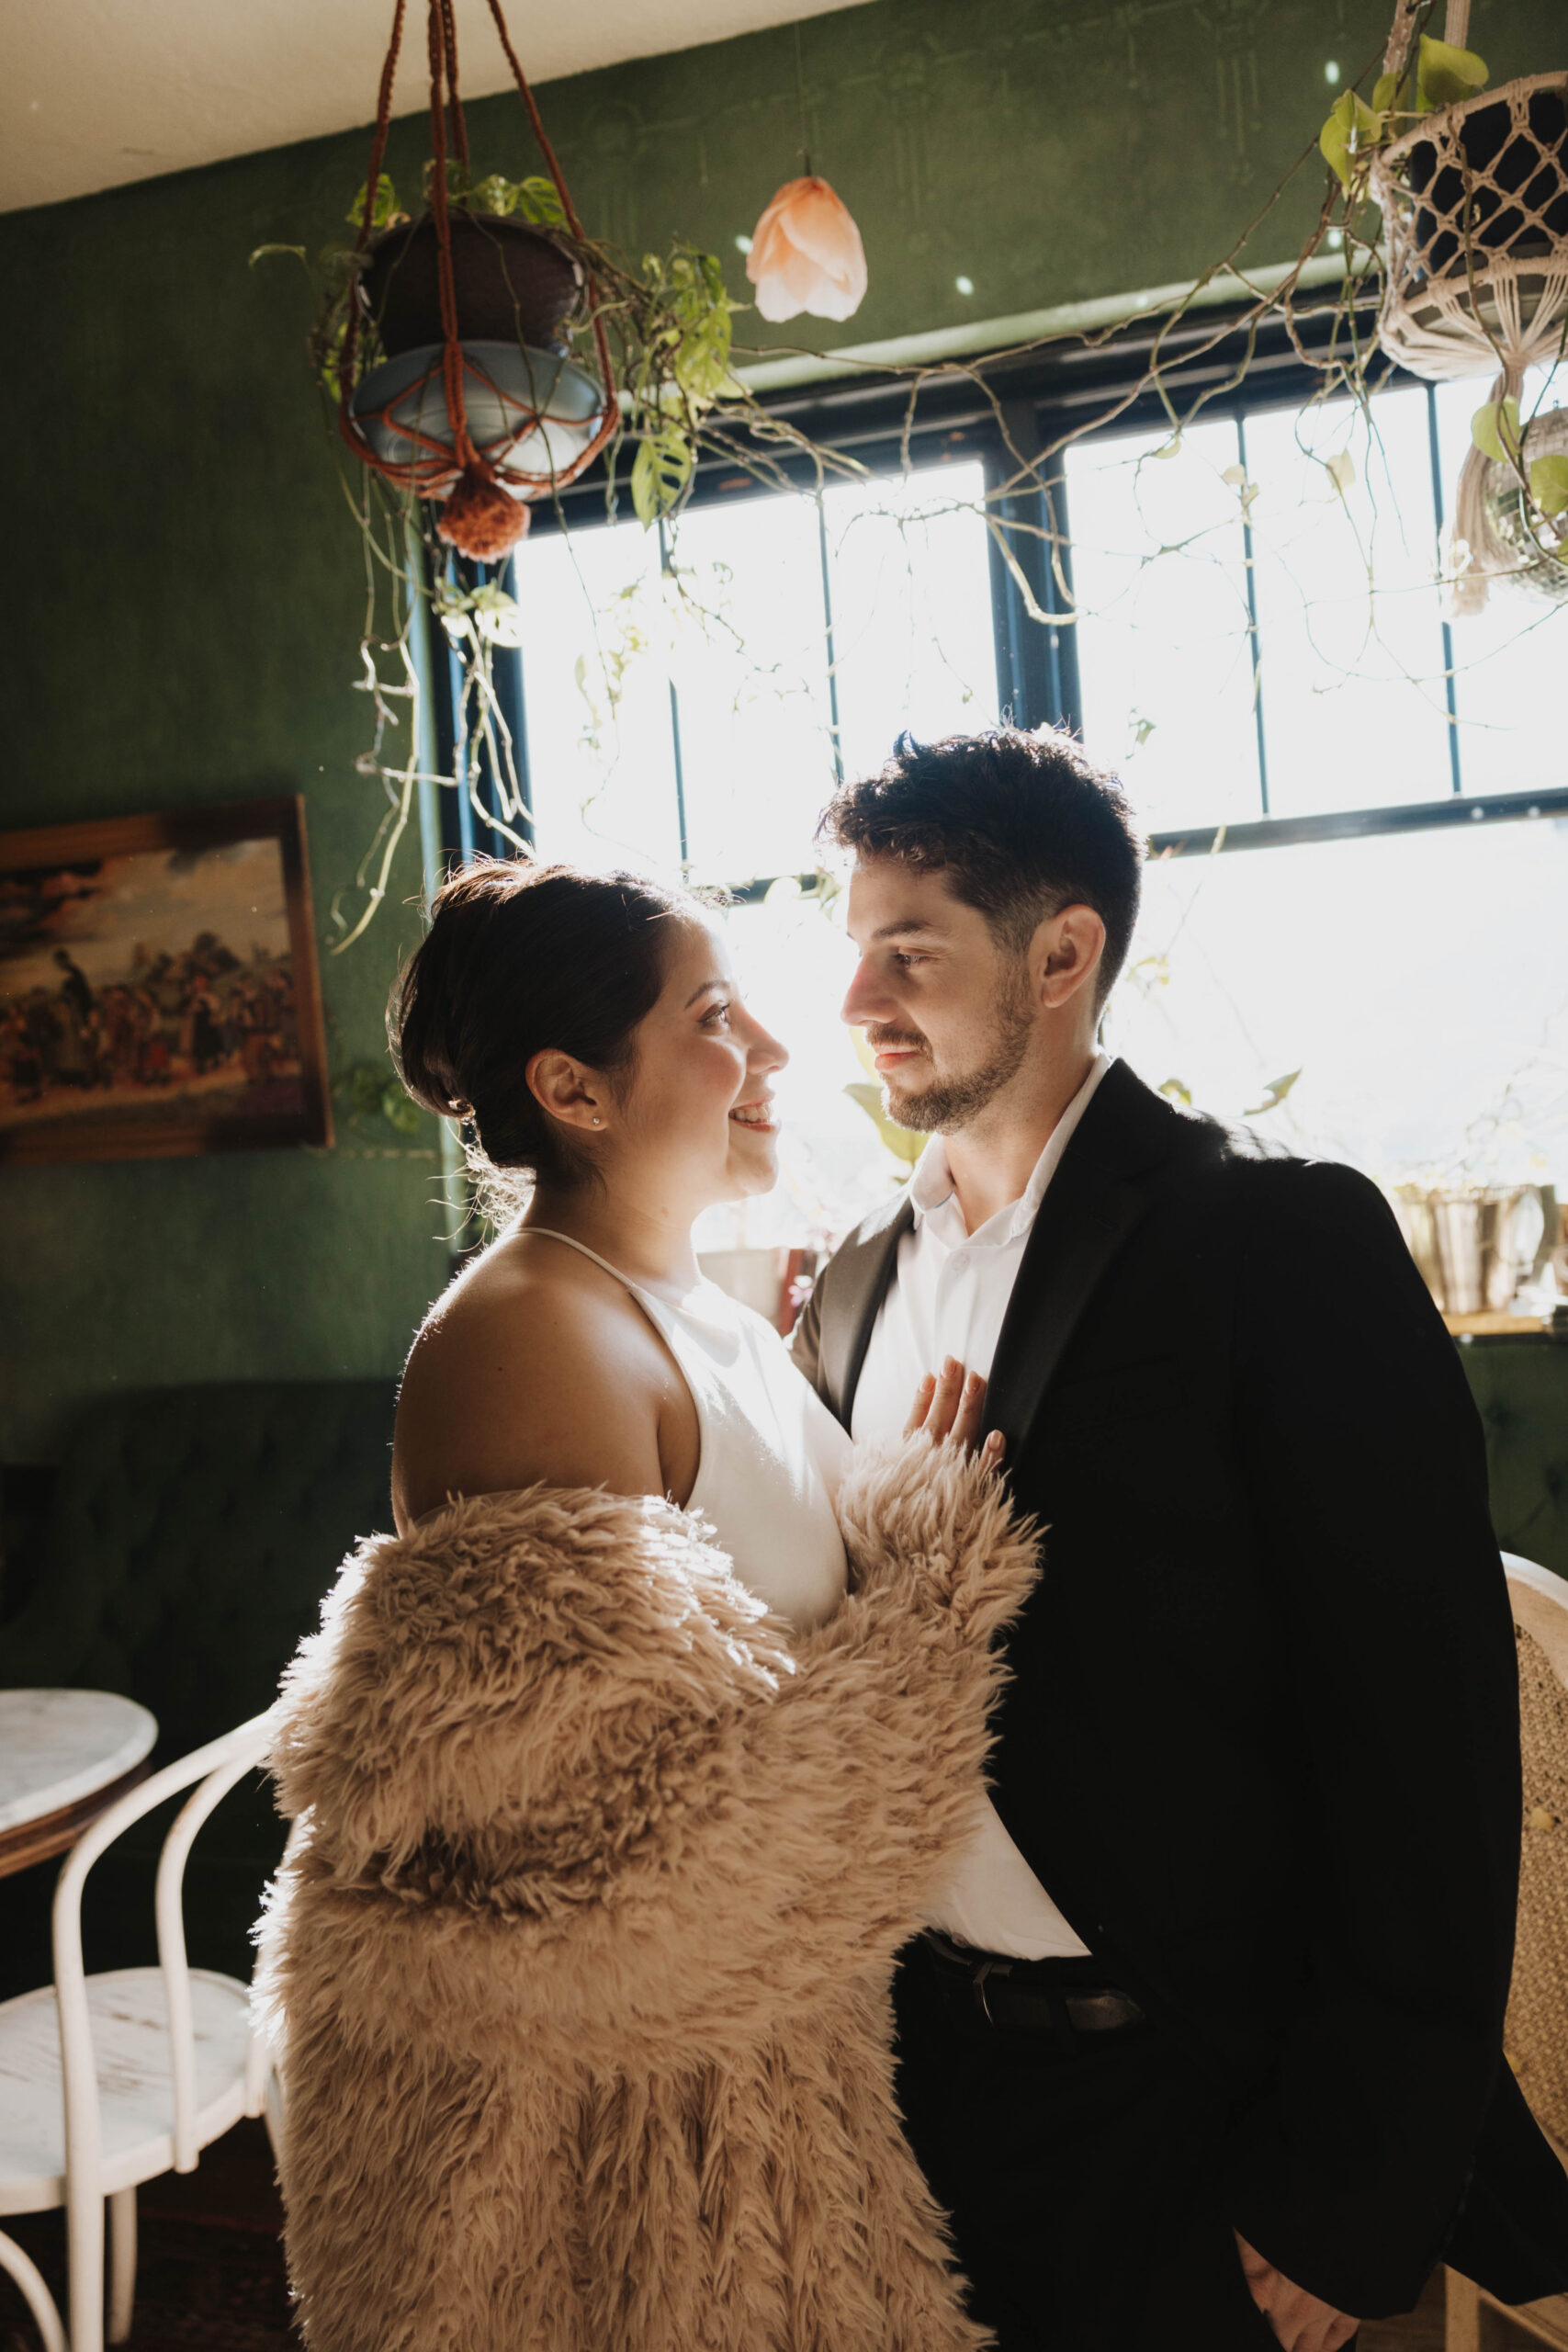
(1471, 185)
(479, 354)
(480, 350)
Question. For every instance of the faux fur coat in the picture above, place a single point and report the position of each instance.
(578, 1963)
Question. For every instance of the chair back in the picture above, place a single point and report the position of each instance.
(1536, 2032)
(216, 1768)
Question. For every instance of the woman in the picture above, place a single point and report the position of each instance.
(617, 1785)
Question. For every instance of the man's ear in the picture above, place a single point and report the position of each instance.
(1064, 956)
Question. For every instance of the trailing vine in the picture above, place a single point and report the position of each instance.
(670, 322)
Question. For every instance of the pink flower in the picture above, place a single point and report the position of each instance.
(806, 255)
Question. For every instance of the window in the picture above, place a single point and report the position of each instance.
(1261, 632)
(1258, 649)
(691, 696)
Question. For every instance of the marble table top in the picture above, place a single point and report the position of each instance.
(57, 1746)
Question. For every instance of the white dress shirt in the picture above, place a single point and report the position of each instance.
(948, 1297)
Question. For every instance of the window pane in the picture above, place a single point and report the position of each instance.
(751, 668)
(1354, 708)
(1165, 658)
(794, 964)
(1507, 684)
(1419, 983)
(596, 693)
(912, 632)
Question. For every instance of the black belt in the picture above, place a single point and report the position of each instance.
(1028, 1995)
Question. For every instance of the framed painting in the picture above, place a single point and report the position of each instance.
(158, 987)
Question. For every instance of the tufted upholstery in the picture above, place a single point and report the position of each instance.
(1521, 1388)
(193, 1534)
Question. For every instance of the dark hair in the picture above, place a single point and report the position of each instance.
(520, 956)
(1021, 825)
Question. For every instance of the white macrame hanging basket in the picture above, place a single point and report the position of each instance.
(1474, 202)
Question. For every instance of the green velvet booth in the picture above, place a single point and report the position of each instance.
(1522, 1390)
(191, 1535)
(193, 1532)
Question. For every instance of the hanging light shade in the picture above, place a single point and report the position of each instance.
(478, 424)
(807, 254)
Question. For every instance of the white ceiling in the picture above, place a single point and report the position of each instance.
(99, 92)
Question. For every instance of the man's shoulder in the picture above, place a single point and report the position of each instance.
(1235, 1167)
(1247, 1166)
(1250, 1189)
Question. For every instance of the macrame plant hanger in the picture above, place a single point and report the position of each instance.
(1477, 263)
(483, 500)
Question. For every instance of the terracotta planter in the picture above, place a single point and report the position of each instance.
(514, 284)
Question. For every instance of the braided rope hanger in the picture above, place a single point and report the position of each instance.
(485, 510)
(1457, 303)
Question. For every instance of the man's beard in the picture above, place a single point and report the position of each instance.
(949, 1103)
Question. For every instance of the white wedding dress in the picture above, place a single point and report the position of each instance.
(771, 1452)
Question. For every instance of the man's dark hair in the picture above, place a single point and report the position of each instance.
(1021, 825)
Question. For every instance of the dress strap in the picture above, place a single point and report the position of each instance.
(550, 1234)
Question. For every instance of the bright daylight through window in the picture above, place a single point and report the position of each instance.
(1260, 640)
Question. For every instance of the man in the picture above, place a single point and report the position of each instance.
(1203, 2044)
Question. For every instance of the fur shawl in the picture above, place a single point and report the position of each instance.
(578, 1965)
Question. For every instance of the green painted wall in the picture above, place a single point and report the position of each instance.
(187, 587)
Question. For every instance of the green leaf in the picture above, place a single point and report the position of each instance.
(1174, 1091)
(1349, 135)
(262, 251)
(903, 1142)
(363, 1085)
(381, 210)
(456, 179)
(1273, 1095)
(497, 615)
(660, 472)
(701, 359)
(1549, 485)
(494, 195)
(336, 265)
(397, 1111)
(1385, 94)
(537, 200)
(1446, 76)
(1495, 429)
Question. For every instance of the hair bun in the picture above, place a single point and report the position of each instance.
(520, 956)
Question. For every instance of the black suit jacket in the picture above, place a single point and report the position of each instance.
(1261, 1741)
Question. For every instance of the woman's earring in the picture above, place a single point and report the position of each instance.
(595, 1118)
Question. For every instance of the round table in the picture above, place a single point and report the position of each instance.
(65, 1755)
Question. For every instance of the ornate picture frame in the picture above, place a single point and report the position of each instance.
(159, 993)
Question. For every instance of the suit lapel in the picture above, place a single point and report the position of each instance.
(858, 1279)
(1126, 1151)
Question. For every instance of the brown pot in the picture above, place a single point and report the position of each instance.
(512, 284)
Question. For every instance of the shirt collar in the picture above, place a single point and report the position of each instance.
(931, 1186)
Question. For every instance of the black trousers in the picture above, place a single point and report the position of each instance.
(1083, 2212)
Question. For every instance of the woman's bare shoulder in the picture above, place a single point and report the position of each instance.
(533, 1365)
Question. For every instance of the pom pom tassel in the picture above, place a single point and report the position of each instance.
(481, 520)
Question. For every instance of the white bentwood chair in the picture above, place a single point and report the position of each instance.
(1536, 2032)
(109, 2081)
